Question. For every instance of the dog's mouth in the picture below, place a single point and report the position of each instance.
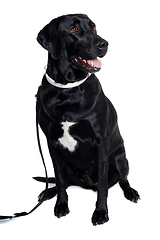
(92, 65)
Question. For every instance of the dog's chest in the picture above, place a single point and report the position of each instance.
(76, 133)
(67, 141)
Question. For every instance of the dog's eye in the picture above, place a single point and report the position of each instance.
(93, 27)
(74, 29)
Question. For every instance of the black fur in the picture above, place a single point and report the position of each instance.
(99, 160)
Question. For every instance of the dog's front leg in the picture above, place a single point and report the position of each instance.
(61, 207)
(100, 214)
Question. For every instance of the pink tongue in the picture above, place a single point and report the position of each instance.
(95, 63)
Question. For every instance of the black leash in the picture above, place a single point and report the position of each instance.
(16, 215)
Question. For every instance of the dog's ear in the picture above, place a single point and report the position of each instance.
(49, 38)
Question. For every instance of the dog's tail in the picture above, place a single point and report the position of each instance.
(43, 179)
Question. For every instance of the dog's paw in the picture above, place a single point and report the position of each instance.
(100, 217)
(131, 195)
(61, 209)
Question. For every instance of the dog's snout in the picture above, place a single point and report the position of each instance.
(102, 45)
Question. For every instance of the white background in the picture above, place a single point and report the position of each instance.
(130, 78)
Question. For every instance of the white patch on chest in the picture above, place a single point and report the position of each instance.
(67, 141)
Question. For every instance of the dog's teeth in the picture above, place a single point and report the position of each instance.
(84, 61)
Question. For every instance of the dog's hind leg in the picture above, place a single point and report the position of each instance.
(129, 193)
(122, 168)
(50, 194)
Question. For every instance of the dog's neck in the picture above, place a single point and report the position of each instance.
(63, 73)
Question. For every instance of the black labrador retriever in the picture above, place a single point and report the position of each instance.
(78, 120)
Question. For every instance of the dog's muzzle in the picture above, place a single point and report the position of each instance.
(91, 65)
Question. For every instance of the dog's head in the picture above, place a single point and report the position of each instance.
(74, 37)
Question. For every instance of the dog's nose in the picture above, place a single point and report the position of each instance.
(103, 45)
